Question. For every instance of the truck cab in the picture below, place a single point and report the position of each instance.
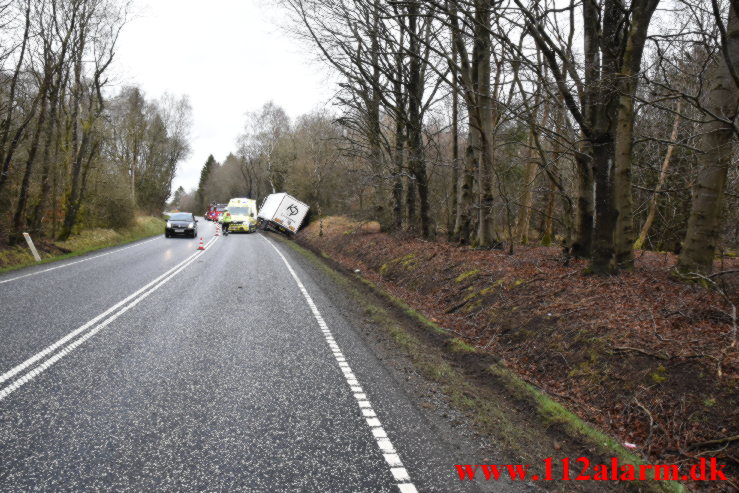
(243, 214)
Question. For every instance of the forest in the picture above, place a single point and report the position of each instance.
(77, 151)
(603, 127)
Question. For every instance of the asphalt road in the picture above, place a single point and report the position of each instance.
(155, 367)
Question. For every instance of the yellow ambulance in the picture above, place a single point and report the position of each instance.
(243, 215)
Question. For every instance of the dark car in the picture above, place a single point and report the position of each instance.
(181, 223)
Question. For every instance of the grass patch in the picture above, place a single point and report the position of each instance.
(85, 242)
(457, 345)
(408, 310)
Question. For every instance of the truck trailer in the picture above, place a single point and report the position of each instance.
(282, 212)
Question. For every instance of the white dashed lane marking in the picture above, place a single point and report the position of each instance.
(399, 472)
(47, 357)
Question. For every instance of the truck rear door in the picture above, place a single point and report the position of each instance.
(290, 213)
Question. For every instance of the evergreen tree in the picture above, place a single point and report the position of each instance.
(204, 173)
(177, 198)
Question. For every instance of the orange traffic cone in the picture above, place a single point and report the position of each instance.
(201, 247)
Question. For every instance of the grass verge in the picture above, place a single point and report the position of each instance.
(528, 423)
(87, 241)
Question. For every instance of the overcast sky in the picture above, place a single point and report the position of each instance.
(229, 57)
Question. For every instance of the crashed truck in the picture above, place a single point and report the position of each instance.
(282, 213)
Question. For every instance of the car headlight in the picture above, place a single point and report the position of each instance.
(169, 224)
(191, 225)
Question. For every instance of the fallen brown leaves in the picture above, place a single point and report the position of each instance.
(638, 354)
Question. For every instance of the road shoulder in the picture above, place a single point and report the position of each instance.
(474, 403)
(89, 241)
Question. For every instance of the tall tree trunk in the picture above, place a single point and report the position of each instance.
(548, 223)
(373, 110)
(38, 210)
(19, 217)
(463, 223)
(71, 196)
(623, 234)
(524, 211)
(415, 120)
(5, 151)
(455, 147)
(468, 76)
(717, 142)
(582, 241)
(607, 110)
(605, 213)
(398, 178)
(410, 203)
(627, 81)
(423, 198)
(486, 221)
(661, 181)
(399, 136)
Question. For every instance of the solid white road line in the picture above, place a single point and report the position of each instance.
(78, 261)
(116, 310)
(400, 474)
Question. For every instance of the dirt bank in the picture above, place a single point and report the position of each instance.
(646, 358)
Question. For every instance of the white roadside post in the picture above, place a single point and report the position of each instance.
(32, 247)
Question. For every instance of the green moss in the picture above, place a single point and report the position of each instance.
(407, 261)
(470, 307)
(459, 346)
(660, 375)
(471, 293)
(710, 402)
(465, 275)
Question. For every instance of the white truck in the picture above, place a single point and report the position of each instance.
(282, 212)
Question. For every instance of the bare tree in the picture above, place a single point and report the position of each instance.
(718, 133)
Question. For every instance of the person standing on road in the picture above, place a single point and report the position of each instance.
(226, 221)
